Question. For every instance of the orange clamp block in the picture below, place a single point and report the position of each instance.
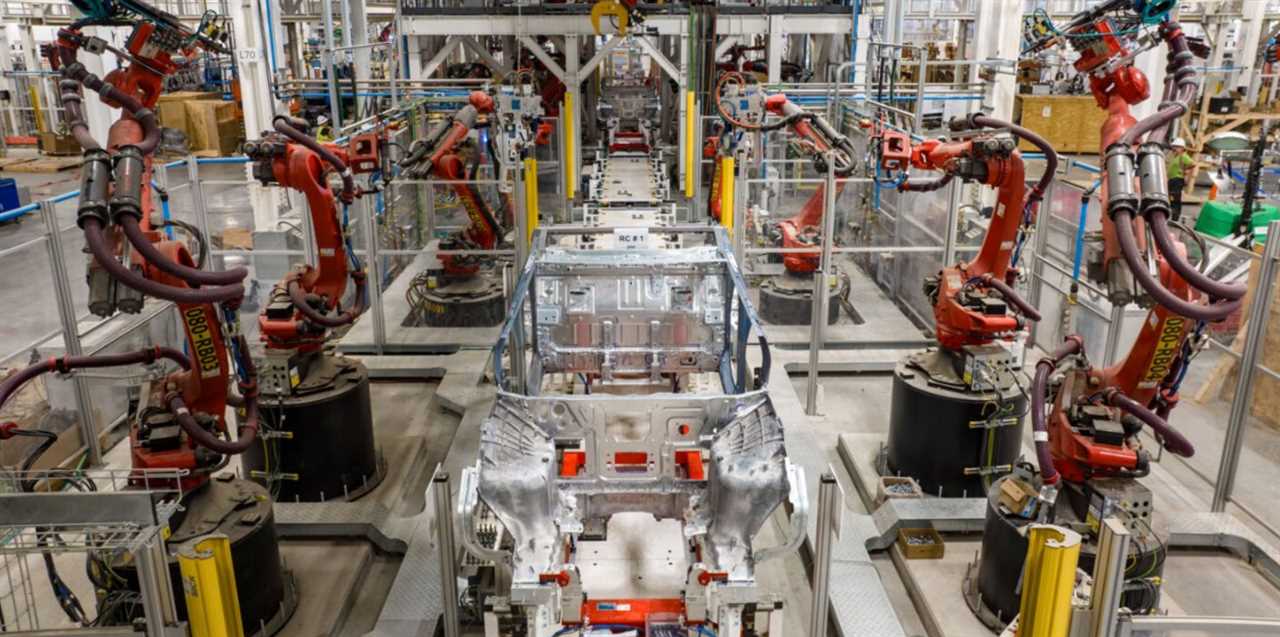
(691, 460)
(572, 463)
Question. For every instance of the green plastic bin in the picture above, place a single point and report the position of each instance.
(1219, 218)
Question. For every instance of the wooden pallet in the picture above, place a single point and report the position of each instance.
(44, 165)
(6, 162)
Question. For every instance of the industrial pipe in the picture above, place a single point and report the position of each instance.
(1172, 440)
(1039, 386)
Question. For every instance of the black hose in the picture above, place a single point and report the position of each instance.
(205, 438)
(144, 116)
(138, 239)
(1011, 296)
(1039, 387)
(98, 245)
(1169, 437)
(286, 126)
(1181, 74)
(298, 297)
(67, 363)
(73, 103)
(1138, 266)
(202, 250)
(1159, 220)
(1050, 155)
(926, 186)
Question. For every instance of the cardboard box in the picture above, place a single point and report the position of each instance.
(203, 120)
(237, 239)
(230, 137)
(1018, 497)
(171, 108)
(921, 544)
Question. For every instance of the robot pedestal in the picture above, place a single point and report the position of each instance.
(317, 441)
(992, 589)
(474, 302)
(952, 438)
(788, 300)
(242, 511)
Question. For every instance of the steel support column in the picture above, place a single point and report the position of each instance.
(1242, 400)
(258, 103)
(70, 330)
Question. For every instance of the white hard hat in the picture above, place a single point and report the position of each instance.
(1179, 142)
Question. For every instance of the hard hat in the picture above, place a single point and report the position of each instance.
(1179, 142)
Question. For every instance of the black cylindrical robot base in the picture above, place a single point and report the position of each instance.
(1004, 554)
(242, 511)
(460, 305)
(784, 303)
(319, 445)
(951, 439)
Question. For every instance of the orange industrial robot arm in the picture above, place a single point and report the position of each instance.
(814, 138)
(115, 206)
(970, 299)
(437, 154)
(1097, 412)
(305, 305)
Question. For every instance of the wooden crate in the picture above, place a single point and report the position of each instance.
(1266, 388)
(45, 165)
(1071, 123)
(51, 143)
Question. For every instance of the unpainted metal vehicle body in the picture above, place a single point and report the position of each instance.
(644, 328)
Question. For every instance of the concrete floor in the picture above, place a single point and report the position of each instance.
(419, 429)
(1196, 583)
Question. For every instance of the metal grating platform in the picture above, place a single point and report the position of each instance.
(414, 603)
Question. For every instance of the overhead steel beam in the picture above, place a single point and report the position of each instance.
(658, 57)
(598, 58)
(443, 54)
(735, 25)
(484, 55)
(546, 59)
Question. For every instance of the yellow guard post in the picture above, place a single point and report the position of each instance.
(530, 197)
(209, 585)
(726, 192)
(1048, 581)
(692, 169)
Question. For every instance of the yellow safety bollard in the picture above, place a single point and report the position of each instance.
(726, 193)
(530, 197)
(209, 585)
(691, 166)
(567, 120)
(1048, 581)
